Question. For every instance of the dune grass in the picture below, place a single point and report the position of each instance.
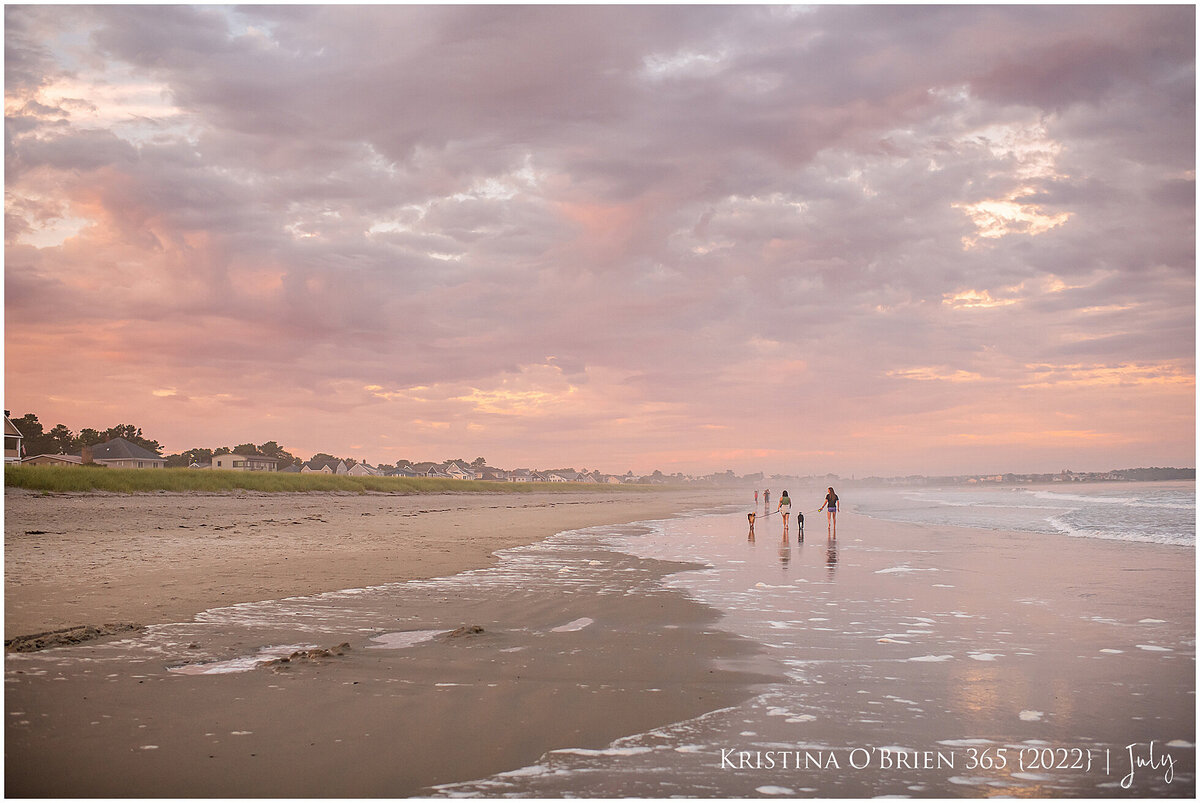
(66, 479)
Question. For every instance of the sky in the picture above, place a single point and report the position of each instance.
(829, 239)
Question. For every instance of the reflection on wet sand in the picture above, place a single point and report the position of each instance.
(831, 557)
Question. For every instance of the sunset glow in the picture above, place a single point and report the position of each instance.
(853, 240)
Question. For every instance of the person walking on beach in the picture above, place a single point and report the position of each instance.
(830, 506)
(756, 497)
(785, 507)
(767, 499)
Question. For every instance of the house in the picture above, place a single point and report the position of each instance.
(488, 474)
(324, 467)
(569, 476)
(520, 475)
(244, 462)
(404, 471)
(456, 470)
(364, 470)
(12, 442)
(430, 470)
(53, 460)
(120, 453)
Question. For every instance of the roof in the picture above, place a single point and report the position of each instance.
(121, 449)
(64, 458)
(11, 429)
(317, 465)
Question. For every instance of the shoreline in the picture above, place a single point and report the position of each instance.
(908, 640)
(83, 559)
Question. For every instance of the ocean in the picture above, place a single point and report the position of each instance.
(1145, 512)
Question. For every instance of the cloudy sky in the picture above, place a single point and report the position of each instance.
(861, 240)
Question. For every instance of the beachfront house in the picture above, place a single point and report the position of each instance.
(53, 460)
(456, 470)
(244, 462)
(489, 474)
(570, 476)
(120, 453)
(325, 467)
(364, 470)
(12, 442)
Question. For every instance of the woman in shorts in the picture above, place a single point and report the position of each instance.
(785, 507)
(830, 506)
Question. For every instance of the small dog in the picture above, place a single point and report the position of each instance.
(750, 516)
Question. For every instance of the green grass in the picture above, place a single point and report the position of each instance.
(65, 479)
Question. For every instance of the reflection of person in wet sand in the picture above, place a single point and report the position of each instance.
(785, 552)
(831, 556)
(830, 506)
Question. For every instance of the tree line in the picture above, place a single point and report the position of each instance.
(61, 440)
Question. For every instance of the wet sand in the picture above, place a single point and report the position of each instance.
(922, 661)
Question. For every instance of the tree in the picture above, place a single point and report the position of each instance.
(36, 441)
(284, 457)
(178, 461)
(63, 438)
(478, 462)
(87, 437)
(246, 449)
(132, 434)
(29, 425)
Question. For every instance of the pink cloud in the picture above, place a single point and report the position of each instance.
(644, 236)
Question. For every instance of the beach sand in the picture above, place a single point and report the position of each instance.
(913, 637)
(367, 722)
(89, 559)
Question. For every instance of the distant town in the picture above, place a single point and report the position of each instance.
(26, 442)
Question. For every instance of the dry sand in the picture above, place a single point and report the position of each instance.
(91, 559)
